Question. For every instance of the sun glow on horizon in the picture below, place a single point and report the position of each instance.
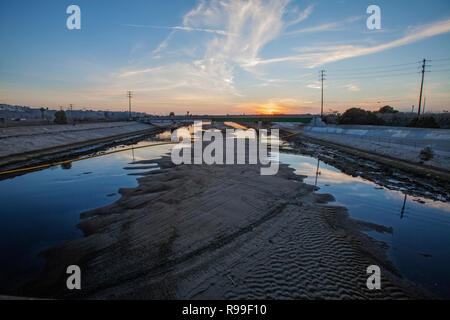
(269, 109)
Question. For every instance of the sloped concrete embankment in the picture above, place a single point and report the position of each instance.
(24, 143)
(403, 144)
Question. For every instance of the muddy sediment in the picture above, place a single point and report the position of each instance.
(221, 232)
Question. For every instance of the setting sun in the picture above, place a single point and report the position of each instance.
(270, 109)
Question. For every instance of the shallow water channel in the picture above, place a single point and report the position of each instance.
(42, 208)
(419, 245)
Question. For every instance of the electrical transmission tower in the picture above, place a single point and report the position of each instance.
(129, 95)
(424, 65)
(322, 78)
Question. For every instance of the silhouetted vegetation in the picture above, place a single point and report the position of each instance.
(359, 116)
(387, 109)
(388, 116)
(60, 117)
(424, 122)
(42, 113)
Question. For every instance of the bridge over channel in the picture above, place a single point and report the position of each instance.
(231, 118)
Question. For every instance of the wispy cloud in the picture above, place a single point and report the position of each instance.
(325, 55)
(331, 26)
(163, 45)
(352, 87)
(136, 72)
(303, 15)
(265, 82)
(180, 28)
(314, 85)
(240, 30)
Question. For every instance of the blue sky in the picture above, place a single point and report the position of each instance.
(228, 56)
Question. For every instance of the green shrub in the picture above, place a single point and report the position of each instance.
(359, 116)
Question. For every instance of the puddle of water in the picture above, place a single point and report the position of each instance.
(42, 208)
(420, 243)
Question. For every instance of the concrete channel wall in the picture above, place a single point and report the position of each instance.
(24, 143)
(393, 142)
(438, 139)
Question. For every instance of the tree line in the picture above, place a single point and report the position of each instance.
(387, 116)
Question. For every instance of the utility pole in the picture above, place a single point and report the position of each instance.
(424, 102)
(322, 78)
(129, 95)
(424, 64)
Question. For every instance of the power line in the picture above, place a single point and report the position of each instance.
(445, 70)
(378, 67)
(374, 101)
(440, 63)
(375, 73)
(387, 68)
(378, 71)
(443, 59)
(338, 77)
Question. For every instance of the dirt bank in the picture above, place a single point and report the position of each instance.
(220, 232)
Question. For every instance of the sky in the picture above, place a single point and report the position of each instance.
(224, 56)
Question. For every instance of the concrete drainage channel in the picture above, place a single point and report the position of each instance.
(417, 150)
(390, 161)
(70, 151)
(392, 142)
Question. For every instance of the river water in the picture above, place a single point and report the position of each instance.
(419, 245)
(42, 208)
